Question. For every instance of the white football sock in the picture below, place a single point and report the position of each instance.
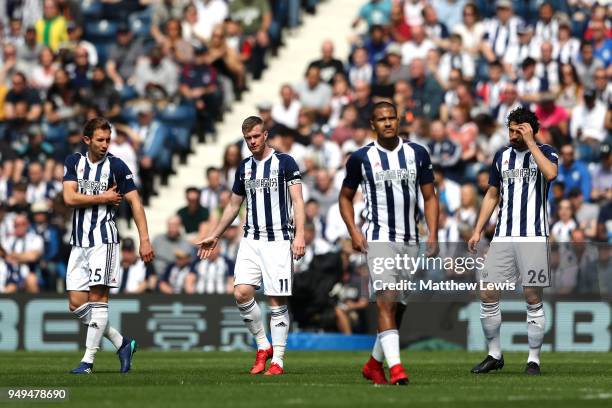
(389, 341)
(95, 330)
(83, 313)
(490, 318)
(279, 329)
(536, 323)
(251, 316)
(377, 351)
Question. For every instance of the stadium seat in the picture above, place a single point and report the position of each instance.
(140, 23)
(178, 116)
(101, 31)
(91, 9)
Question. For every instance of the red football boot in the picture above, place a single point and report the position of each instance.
(260, 360)
(398, 375)
(274, 369)
(373, 371)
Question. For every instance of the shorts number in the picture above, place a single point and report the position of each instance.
(97, 276)
(284, 285)
(541, 276)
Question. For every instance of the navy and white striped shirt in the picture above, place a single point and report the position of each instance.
(95, 225)
(390, 181)
(523, 189)
(265, 184)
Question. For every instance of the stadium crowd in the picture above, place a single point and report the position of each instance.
(166, 70)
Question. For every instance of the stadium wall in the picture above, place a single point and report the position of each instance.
(43, 323)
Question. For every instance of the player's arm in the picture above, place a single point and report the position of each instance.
(74, 199)
(489, 202)
(299, 215)
(431, 209)
(347, 211)
(146, 250)
(229, 214)
(546, 166)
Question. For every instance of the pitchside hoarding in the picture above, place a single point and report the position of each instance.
(212, 322)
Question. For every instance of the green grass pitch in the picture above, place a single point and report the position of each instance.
(313, 379)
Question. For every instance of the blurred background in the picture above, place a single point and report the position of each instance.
(177, 77)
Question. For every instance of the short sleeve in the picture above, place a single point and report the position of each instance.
(292, 171)
(494, 176)
(425, 168)
(70, 165)
(353, 172)
(238, 187)
(123, 177)
(550, 154)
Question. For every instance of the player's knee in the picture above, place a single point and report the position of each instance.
(489, 296)
(242, 296)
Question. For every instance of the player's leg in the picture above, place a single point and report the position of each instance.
(536, 323)
(279, 330)
(388, 336)
(533, 263)
(277, 271)
(499, 267)
(248, 277)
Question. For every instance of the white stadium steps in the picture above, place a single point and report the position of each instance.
(332, 21)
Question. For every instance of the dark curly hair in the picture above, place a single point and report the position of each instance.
(524, 115)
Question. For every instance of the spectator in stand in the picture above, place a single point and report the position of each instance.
(427, 92)
(209, 195)
(509, 102)
(39, 190)
(343, 131)
(382, 88)
(324, 191)
(547, 27)
(455, 58)
(418, 47)
(585, 213)
(173, 280)
(328, 66)
(122, 147)
(173, 44)
(602, 176)
(603, 87)
(52, 266)
(547, 68)
(75, 33)
(602, 45)
(255, 18)
(573, 173)
(324, 153)
(471, 29)
(526, 47)
(566, 49)
(27, 53)
(123, 57)
(231, 161)
(166, 244)
(315, 93)
(529, 86)
(375, 12)
(193, 214)
(561, 231)
(102, 94)
(200, 86)
(588, 119)
(156, 76)
(213, 275)
(35, 150)
(448, 227)
(21, 94)
(227, 62)
(361, 70)
(9, 279)
(61, 107)
(24, 249)
(362, 99)
(570, 89)
(490, 91)
(286, 111)
(399, 30)
(587, 64)
(164, 10)
(443, 151)
(463, 131)
(399, 72)
(136, 276)
(376, 44)
(435, 30)
(42, 75)
(500, 31)
(448, 191)
(51, 30)
(80, 70)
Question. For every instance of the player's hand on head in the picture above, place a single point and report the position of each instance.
(206, 246)
(298, 248)
(526, 131)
